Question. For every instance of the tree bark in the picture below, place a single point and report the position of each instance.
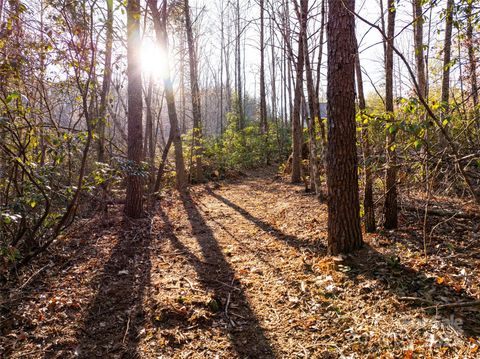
(314, 115)
(344, 232)
(134, 196)
(149, 145)
(263, 100)
(418, 40)
(368, 205)
(107, 79)
(472, 64)
(197, 171)
(390, 206)
(296, 123)
(238, 69)
(161, 33)
(447, 53)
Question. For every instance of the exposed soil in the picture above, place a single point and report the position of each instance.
(238, 269)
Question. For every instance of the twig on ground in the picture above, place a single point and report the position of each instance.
(33, 275)
(126, 330)
(432, 305)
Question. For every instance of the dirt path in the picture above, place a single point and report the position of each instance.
(238, 269)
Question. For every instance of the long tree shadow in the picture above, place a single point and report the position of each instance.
(402, 281)
(316, 247)
(49, 276)
(414, 289)
(115, 316)
(216, 276)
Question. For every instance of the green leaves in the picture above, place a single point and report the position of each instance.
(13, 96)
(8, 217)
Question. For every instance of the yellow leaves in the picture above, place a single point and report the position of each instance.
(457, 286)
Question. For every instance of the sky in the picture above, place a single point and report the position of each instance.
(370, 41)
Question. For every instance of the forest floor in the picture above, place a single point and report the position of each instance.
(238, 268)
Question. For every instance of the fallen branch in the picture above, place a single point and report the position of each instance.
(432, 305)
(475, 303)
(445, 213)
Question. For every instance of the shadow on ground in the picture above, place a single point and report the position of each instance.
(111, 327)
(414, 289)
(316, 247)
(217, 277)
(400, 280)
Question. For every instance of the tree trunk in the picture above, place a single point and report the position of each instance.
(344, 232)
(447, 53)
(390, 207)
(222, 46)
(238, 68)
(163, 162)
(107, 79)
(368, 205)
(418, 40)
(472, 64)
(161, 33)
(273, 79)
(296, 123)
(149, 146)
(134, 196)
(263, 100)
(197, 171)
(317, 85)
(314, 115)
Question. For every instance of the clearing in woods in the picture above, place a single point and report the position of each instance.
(238, 269)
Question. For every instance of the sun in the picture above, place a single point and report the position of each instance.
(153, 59)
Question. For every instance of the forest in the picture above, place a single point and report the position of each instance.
(239, 179)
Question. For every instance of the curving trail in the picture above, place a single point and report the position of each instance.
(237, 269)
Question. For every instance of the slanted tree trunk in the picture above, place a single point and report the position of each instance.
(149, 145)
(107, 79)
(344, 232)
(390, 206)
(163, 163)
(159, 20)
(368, 205)
(134, 196)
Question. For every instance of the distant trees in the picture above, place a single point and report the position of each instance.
(344, 232)
(75, 118)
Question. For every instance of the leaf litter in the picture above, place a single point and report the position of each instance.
(239, 270)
